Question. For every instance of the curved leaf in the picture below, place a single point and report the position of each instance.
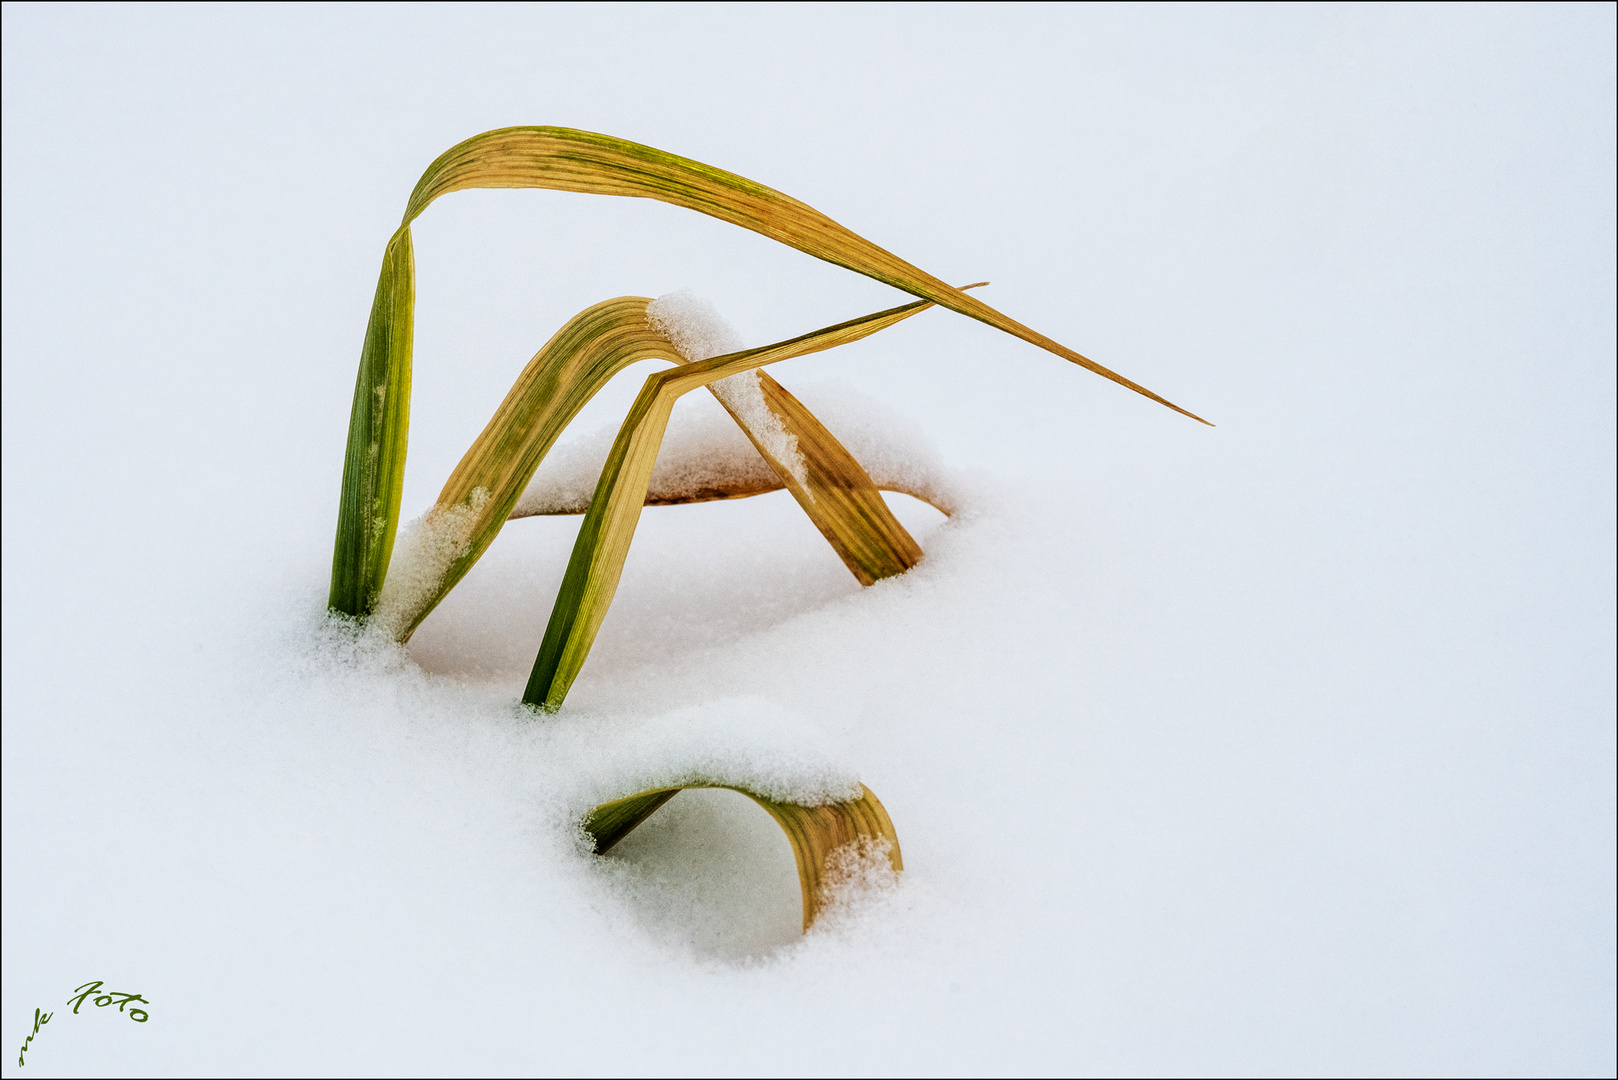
(565, 159)
(603, 543)
(816, 833)
(561, 378)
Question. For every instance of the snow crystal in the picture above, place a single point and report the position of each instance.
(744, 395)
(856, 875)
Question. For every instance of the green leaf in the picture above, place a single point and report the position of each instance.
(373, 466)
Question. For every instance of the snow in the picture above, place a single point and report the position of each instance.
(694, 325)
(1280, 747)
(700, 333)
(422, 553)
(749, 742)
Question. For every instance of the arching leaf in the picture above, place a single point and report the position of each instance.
(816, 833)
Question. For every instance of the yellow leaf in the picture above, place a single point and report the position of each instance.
(561, 378)
(564, 159)
(817, 833)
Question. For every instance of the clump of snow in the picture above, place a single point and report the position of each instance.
(704, 451)
(855, 876)
(565, 481)
(422, 554)
(696, 328)
(744, 395)
(694, 325)
(744, 742)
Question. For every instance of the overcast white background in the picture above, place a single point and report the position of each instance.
(1283, 746)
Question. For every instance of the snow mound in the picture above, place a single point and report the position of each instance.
(745, 742)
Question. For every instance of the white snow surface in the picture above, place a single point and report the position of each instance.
(1282, 747)
(749, 742)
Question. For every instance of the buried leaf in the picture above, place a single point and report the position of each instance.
(598, 555)
(564, 159)
(822, 837)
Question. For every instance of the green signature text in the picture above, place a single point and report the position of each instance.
(113, 997)
(40, 1020)
(90, 990)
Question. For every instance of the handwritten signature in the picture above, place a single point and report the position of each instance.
(109, 998)
(40, 1020)
(102, 1000)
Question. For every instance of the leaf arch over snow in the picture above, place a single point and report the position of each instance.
(565, 159)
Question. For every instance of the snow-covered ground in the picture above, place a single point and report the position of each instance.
(1284, 746)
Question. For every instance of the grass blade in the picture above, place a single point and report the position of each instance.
(373, 465)
(816, 833)
(835, 491)
(560, 379)
(565, 159)
(598, 555)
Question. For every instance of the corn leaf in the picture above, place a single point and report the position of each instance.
(815, 832)
(568, 160)
(609, 525)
